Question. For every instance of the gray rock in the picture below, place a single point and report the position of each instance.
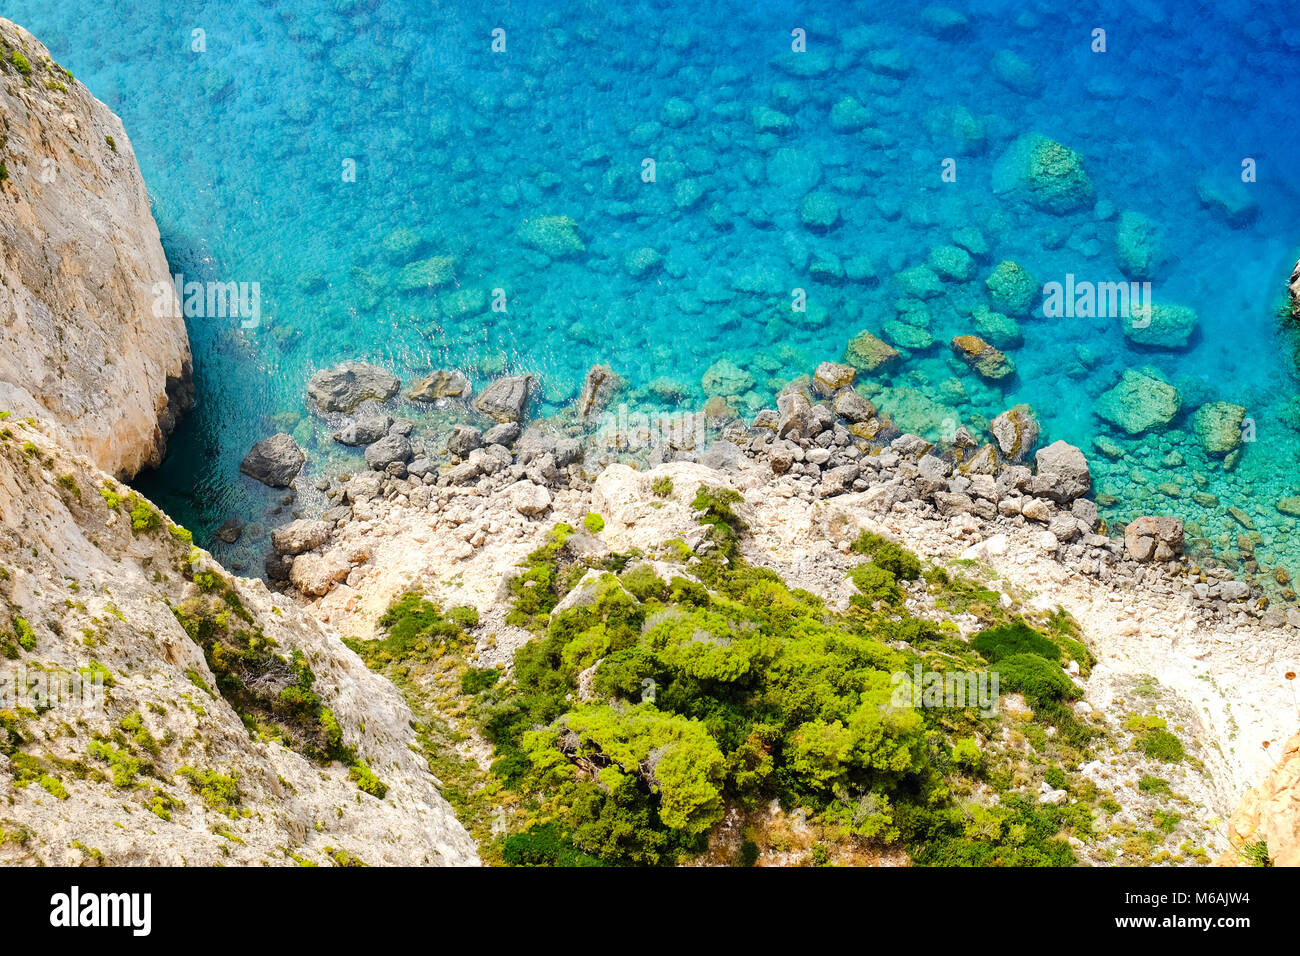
(464, 439)
(1085, 510)
(274, 461)
(951, 503)
(1016, 432)
(852, 407)
(721, 455)
(507, 433)
(299, 536)
(364, 431)
(232, 530)
(388, 450)
(839, 480)
(910, 446)
(344, 387)
(796, 415)
(567, 451)
(1234, 590)
(421, 467)
(506, 398)
(1062, 473)
(598, 388)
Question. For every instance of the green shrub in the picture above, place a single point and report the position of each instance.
(889, 555)
(1041, 681)
(366, 781)
(21, 63)
(1055, 777)
(876, 583)
(1006, 640)
(662, 487)
(476, 680)
(593, 522)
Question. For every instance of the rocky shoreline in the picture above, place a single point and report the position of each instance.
(824, 438)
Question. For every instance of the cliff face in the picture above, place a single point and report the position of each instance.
(1267, 822)
(80, 344)
(233, 728)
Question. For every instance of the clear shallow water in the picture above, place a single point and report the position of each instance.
(243, 149)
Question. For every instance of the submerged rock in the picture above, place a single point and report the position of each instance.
(274, 461)
(443, 383)
(344, 387)
(1160, 326)
(1138, 246)
(984, 359)
(1045, 174)
(867, 353)
(1218, 426)
(1012, 289)
(556, 236)
(724, 377)
(1138, 403)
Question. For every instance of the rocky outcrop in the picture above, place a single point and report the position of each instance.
(1266, 826)
(91, 338)
(164, 770)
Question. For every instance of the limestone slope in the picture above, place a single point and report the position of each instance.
(80, 262)
(94, 580)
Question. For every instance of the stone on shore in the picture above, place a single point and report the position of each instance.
(506, 398)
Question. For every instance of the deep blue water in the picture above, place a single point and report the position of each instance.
(243, 147)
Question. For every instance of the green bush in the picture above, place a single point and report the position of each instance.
(1041, 681)
(20, 63)
(889, 555)
(1017, 637)
(876, 583)
(476, 680)
(593, 522)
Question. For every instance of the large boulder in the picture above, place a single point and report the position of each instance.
(1153, 538)
(1138, 403)
(506, 398)
(299, 536)
(867, 353)
(529, 499)
(1160, 326)
(1012, 289)
(1218, 426)
(364, 430)
(274, 461)
(1016, 432)
(463, 440)
(389, 450)
(344, 387)
(1044, 174)
(1138, 246)
(598, 389)
(1062, 473)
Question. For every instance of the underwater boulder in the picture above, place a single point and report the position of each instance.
(867, 353)
(1012, 290)
(1218, 427)
(554, 236)
(344, 387)
(1138, 403)
(1163, 326)
(1138, 245)
(987, 361)
(1045, 174)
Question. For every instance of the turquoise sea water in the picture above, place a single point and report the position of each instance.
(244, 146)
